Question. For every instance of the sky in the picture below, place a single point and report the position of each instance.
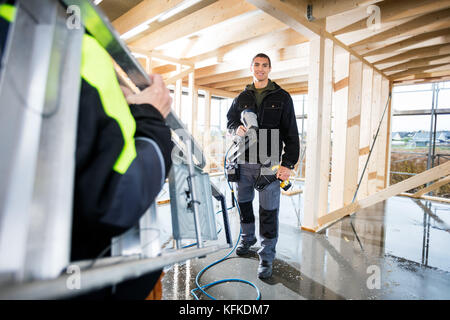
(422, 98)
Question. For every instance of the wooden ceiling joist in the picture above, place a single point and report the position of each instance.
(294, 16)
(416, 54)
(240, 28)
(217, 12)
(218, 38)
(443, 36)
(393, 10)
(421, 24)
(276, 44)
(415, 63)
(421, 70)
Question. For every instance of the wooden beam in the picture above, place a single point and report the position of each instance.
(179, 76)
(425, 23)
(429, 198)
(389, 116)
(393, 190)
(240, 28)
(294, 17)
(144, 11)
(416, 63)
(292, 14)
(375, 120)
(215, 13)
(365, 136)
(340, 106)
(168, 17)
(353, 129)
(432, 187)
(413, 71)
(218, 92)
(324, 8)
(193, 97)
(404, 44)
(382, 139)
(320, 90)
(425, 80)
(292, 53)
(164, 69)
(242, 82)
(178, 93)
(284, 70)
(287, 86)
(207, 133)
(423, 76)
(276, 44)
(160, 56)
(392, 10)
(416, 54)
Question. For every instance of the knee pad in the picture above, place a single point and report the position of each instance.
(268, 223)
(247, 215)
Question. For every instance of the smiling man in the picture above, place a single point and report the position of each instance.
(275, 113)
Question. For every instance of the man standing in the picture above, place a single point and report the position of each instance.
(275, 112)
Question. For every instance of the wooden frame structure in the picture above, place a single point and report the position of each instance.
(347, 55)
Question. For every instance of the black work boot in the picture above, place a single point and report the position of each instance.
(244, 247)
(264, 269)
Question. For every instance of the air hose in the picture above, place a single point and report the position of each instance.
(197, 278)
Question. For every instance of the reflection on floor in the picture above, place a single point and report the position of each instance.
(398, 249)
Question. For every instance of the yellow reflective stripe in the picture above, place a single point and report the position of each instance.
(8, 12)
(97, 69)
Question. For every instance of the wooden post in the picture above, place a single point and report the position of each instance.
(353, 128)
(375, 119)
(387, 168)
(345, 165)
(207, 133)
(193, 97)
(382, 138)
(178, 93)
(148, 65)
(365, 133)
(319, 131)
(432, 187)
(340, 105)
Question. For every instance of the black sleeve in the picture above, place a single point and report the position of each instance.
(106, 203)
(289, 134)
(150, 124)
(233, 116)
(142, 182)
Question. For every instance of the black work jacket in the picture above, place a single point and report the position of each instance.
(275, 112)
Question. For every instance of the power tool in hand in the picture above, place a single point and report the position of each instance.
(269, 175)
(240, 144)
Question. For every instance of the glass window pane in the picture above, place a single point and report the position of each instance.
(444, 98)
(412, 100)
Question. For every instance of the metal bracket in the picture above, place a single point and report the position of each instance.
(309, 13)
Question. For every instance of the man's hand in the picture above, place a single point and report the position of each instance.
(241, 131)
(158, 95)
(283, 173)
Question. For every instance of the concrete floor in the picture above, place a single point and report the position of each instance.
(402, 253)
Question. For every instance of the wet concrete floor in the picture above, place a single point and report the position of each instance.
(397, 249)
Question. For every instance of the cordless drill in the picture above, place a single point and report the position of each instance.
(250, 122)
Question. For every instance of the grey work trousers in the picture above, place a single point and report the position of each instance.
(269, 204)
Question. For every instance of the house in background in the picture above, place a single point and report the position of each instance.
(420, 139)
(400, 138)
(443, 138)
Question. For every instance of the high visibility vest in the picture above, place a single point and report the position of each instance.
(97, 70)
(7, 12)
